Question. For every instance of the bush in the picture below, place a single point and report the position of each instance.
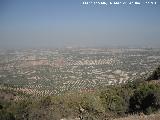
(155, 75)
(116, 99)
(46, 101)
(145, 99)
(4, 115)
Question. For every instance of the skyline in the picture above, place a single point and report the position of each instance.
(61, 23)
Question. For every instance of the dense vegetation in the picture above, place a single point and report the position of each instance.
(103, 103)
(155, 75)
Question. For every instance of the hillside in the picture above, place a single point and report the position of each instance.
(112, 102)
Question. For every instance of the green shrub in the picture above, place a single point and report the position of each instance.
(5, 115)
(116, 99)
(145, 99)
(155, 75)
(92, 103)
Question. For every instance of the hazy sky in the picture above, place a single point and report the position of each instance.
(59, 23)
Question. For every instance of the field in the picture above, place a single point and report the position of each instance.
(43, 72)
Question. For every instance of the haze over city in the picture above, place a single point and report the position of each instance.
(59, 23)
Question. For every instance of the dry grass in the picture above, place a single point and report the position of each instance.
(142, 117)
